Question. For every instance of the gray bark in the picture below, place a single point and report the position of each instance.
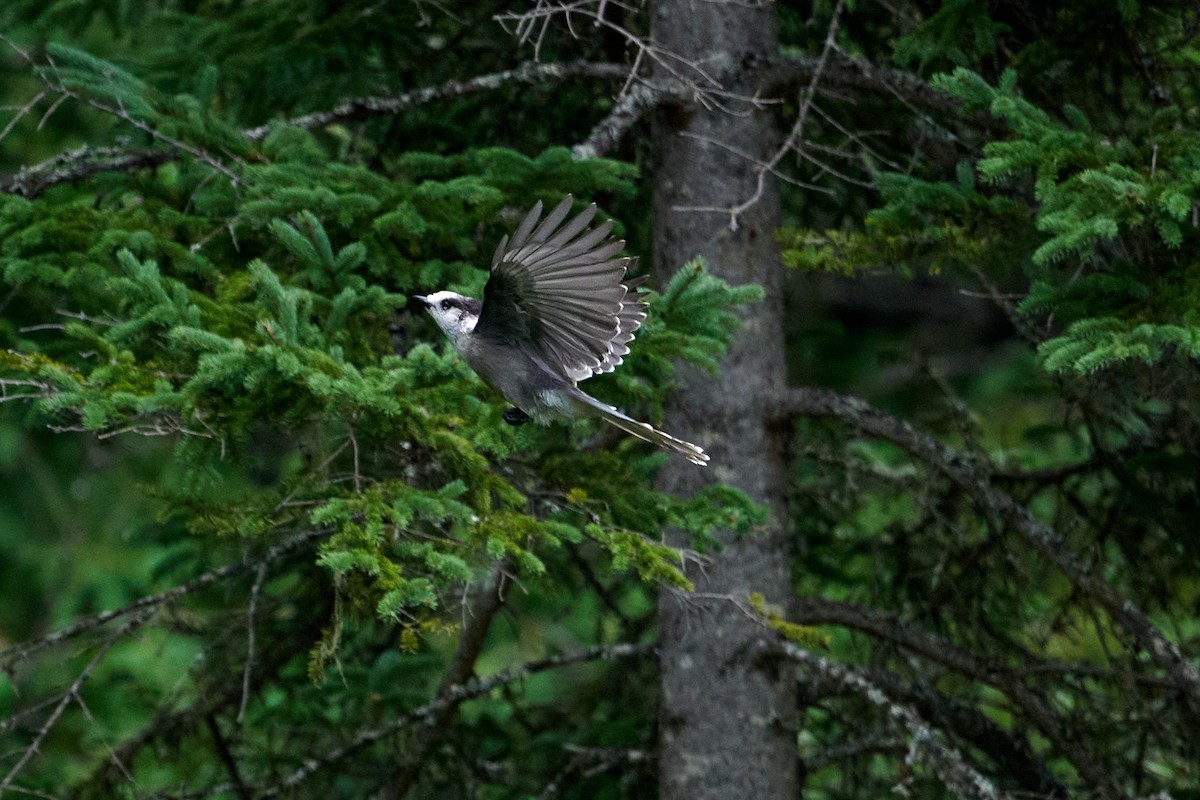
(727, 708)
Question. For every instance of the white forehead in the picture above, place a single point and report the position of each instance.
(438, 297)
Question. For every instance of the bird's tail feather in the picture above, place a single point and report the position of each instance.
(642, 430)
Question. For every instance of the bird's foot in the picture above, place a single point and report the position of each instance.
(515, 416)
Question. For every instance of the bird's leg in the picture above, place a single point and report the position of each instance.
(515, 416)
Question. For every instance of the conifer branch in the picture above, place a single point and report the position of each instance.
(16, 653)
(777, 75)
(963, 780)
(810, 610)
(359, 108)
(82, 162)
(453, 697)
(974, 479)
(50, 77)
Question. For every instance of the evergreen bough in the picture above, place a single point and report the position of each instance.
(254, 321)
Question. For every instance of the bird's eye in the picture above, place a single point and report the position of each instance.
(446, 305)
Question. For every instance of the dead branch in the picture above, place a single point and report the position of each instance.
(699, 78)
(818, 611)
(11, 655)
(865, 745)
(84, 162)
(248, 669)
(924, 746)
(588, 761)
(1010, 750)
(72, 694)
(454, 697)
(774, 77)
(359, 108)
(172, 722)
(632, 106)
(973, 478)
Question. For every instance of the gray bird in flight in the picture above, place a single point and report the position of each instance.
(556, 310)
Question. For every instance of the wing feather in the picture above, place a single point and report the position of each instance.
(526, 227)
(552, 220)
(558, 288)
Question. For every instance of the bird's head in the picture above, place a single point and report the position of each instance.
(455, 314)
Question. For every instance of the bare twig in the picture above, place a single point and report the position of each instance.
(354, 450)
(588, 761)
(794, 141)
(703, 85)
(775, 75)
(43, 389)
(866, 745)
(171, 720)
(25, 790)
(226, 757)
(248, 670)
(764, 165)
(72, 693)
(21, 113)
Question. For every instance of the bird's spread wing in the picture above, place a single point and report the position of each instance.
(557, 288)
(630, 318)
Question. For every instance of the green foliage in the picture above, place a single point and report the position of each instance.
(247, 302)
(1111, 211)
(291, 339)
(1098, 343)
(1107, 213)
(959, 32)
(1048, 335)
(217, 413)
(684, 324)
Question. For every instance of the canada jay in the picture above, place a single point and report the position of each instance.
(556, 310)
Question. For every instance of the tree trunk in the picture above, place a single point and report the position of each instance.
(727, 715)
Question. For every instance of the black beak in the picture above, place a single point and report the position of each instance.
(421, 300)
